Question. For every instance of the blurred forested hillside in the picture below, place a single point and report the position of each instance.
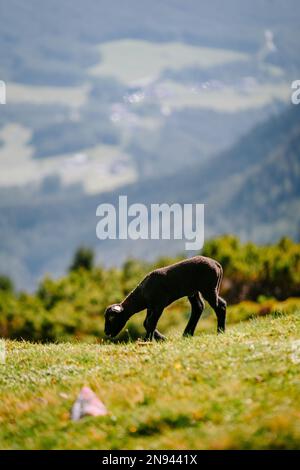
(48, 42)
(162, 101)
(251, 190)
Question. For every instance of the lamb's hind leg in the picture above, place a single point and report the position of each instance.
(158, 336)
(150, 323)
(221, 314)
(197, 305)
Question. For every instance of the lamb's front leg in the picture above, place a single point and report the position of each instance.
(150, 323)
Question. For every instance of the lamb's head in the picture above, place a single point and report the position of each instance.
(114, 320)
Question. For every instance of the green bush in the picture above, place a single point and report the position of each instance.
(6, 284)
(251, 270)
(83, 259)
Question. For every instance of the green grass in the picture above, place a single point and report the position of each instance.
(235, 391)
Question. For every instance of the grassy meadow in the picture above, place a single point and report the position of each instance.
(239, 390)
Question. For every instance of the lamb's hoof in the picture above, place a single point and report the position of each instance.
(187, 334)
(147, 339)
(158, 336)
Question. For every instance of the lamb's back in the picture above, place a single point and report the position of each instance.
(181, 279)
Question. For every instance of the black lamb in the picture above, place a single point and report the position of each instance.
(197, 278)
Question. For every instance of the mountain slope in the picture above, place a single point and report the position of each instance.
(250, 187)
(257, 182)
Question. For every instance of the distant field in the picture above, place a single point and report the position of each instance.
(235, 391)
(227, 99)
(71, 96)
(140, 62)
(100, 168)
(129, 60)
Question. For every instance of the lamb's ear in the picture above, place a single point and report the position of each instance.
(117, 308)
